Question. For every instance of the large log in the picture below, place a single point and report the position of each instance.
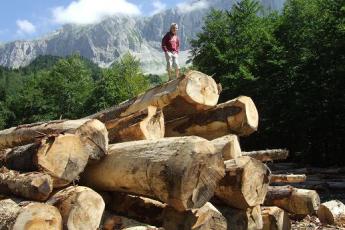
(268, 155)
(332, 212)
(147, 124)
(158, 214)
(245, 183)
(249, 219)
(188, 94)
(93, 133)
(182, 172)
(112, 221)
(293, 200)
(288, 178)
(16, 215)
(81, 207)
(204, 218)
(238, 116)
(228, 145)
(63, 156)
(33, 186)
(275, 218)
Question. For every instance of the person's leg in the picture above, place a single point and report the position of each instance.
(169, 65)
(176, 65)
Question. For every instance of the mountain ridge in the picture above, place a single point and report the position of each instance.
(106, 41)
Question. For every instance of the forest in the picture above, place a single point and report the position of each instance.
(291, 63)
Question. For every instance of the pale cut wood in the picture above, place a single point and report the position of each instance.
(33, 186)
(275, 218)
(182, 172)
(245, 183)
(16, 215)
(93, 133)
(63, 157)
(332, 212)
(238, 116)
(204, 218)
(268, 155)
(81, 207)
(237, 219)
(293, 200)
(229, 145)
(147, 124)
(288, 178)
(188, 94)
(111, 221)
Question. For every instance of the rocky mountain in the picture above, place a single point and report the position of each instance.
(106, 41)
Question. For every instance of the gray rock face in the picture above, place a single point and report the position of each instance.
(105, 42)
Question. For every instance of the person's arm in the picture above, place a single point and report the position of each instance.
(178, 45)
(164, 43)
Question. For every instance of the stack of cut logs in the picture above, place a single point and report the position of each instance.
(115, 169)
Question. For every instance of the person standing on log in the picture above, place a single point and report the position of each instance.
(171, 46)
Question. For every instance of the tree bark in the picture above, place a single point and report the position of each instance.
(293, 200)
(182, 172)
(16, 215)
(112, 221)
(204, 218)
(288, 178)
(63, 157)
(188, 94)
(229, 146)
(147, 124)
(81, 207)
(332, 212)
(238, 116)
(275, 218)
(245, 183)
(249, 219)
(93, 133)
(33, 186)
(268, 155)
(143, 209)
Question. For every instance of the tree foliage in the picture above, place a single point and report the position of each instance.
(292, 64)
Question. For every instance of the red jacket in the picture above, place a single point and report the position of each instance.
(171, 43)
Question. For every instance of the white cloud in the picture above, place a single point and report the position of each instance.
(186, 7)
(158, 7)
(92, 11)
(25, 27)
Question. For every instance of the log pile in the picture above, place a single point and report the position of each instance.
(169, 158)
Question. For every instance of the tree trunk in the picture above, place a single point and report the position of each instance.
(93, 133)
(204, 218)
(245, 183)
(275, 218)
(63, 157)
(80, 207)
(268, 155)
(288, 178)
(237, 219)
(143, 209)
(16, 215)
(111, 221)
(147, 124)
(293, 200)
(185, 95)
(238, 116)
(182, 172)
(228, 145)
(332, 212)
(33, 186)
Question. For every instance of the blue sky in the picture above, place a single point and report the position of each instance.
(28, 19)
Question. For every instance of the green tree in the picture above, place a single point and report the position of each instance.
(123, 80)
